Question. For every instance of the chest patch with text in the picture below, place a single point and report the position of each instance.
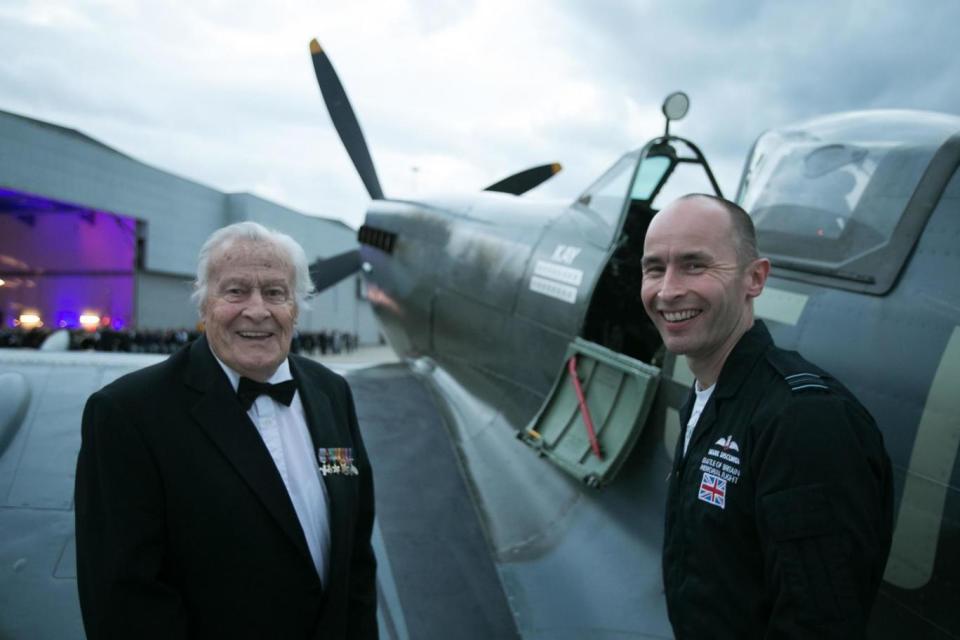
(721, 468)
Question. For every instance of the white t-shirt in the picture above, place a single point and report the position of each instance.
(703, 395)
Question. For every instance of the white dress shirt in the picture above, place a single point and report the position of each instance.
(285, 433)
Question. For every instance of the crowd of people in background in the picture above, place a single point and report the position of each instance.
(316, 343)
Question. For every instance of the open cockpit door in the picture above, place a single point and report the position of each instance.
(599, 404)
(595, 412)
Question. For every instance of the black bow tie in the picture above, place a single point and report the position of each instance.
(249, 390)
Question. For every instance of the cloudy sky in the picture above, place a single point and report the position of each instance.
(455, 94)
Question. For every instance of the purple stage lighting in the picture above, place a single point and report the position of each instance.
(78, 259)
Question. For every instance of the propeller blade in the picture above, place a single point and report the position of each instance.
(520, 183)
(326, 272)
(344, 120)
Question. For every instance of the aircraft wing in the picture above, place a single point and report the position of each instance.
(38, 459)
(478, 538)
(436, 576)
(466, 544)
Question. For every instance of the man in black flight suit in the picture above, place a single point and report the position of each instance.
(779, 509)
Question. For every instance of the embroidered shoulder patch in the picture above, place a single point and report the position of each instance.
(799, 374)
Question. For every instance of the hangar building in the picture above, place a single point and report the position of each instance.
(88, 230)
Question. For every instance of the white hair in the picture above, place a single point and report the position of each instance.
(225, 237)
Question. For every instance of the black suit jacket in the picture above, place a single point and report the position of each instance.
(184, 526)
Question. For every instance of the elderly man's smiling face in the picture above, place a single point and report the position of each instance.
(250, 309)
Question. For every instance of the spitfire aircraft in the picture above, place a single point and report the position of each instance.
(501, 305)
(521, 450)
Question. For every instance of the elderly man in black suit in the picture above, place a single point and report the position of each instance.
(226, 493)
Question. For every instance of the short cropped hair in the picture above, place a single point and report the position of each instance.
(223, 238)
(744, 232)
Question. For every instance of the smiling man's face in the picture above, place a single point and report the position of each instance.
(250, 309)
(694, 288)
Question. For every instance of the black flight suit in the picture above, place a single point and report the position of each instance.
(780, 517)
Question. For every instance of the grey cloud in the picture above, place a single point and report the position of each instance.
(151, 70)
(752, 66)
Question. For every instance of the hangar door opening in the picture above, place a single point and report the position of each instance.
(64, 265)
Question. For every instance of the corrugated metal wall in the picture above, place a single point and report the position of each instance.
(61, 164)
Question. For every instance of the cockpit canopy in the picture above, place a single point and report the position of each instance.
(828, 195)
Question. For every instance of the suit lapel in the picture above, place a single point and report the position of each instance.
(326, 431)
(220, 415)
(316, 407)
